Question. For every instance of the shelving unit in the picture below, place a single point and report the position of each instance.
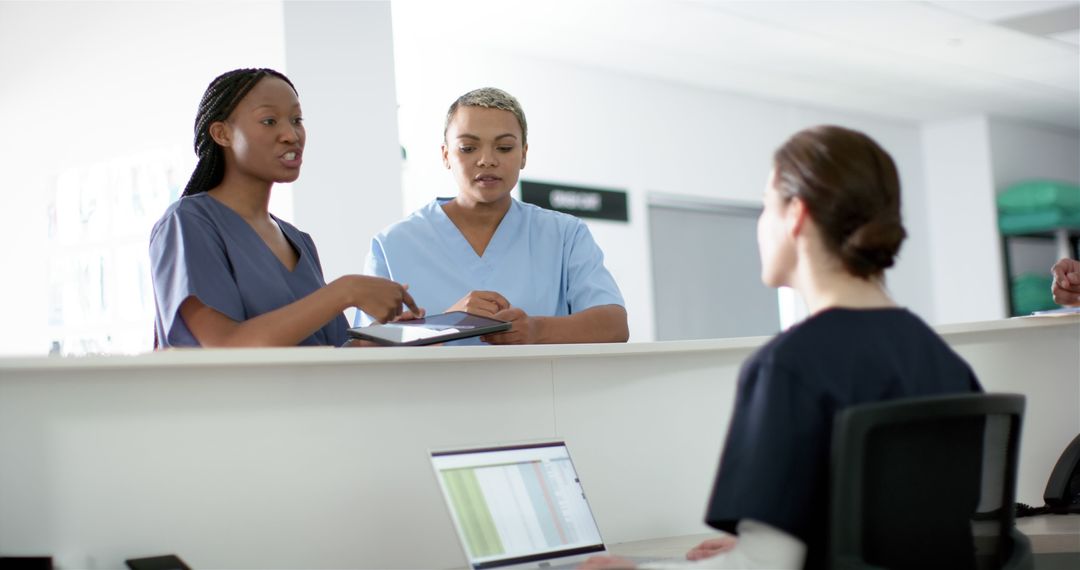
(1066, 243)
(1055, 220)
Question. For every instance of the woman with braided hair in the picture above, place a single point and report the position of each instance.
(829, 228)
(226, 271)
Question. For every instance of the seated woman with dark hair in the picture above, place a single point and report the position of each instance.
(829, 228)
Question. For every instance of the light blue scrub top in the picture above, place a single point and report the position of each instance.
(542, 261)
(202, 248)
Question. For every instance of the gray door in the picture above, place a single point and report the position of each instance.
(706, 271)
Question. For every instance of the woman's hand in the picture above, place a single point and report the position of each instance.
(606, 562)
(523, 328)
(711, 547)
(1066, 287)
(483, 303)
(378, 297)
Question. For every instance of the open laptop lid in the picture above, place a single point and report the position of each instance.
(517, 504)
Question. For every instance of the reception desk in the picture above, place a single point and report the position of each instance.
(317, 458)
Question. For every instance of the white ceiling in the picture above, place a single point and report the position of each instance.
(908, 60)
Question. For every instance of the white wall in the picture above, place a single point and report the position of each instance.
(1022, 151)
(601, 128)
(340, 56)
(87, 82)
(965, 257)
(92, 80)
(968, 161)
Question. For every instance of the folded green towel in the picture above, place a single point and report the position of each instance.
(1043, 221)
(1039, 196)
(1030, 293)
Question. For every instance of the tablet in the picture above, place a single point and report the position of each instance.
(430, 330)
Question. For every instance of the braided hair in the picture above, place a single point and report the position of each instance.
(221, 97)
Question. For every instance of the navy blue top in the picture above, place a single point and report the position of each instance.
(775, 464)
(202, 248)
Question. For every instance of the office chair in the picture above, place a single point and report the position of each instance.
(927, 483)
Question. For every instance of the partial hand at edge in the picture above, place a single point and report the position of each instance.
(711, 547)
(607, 563)
(1066, 286)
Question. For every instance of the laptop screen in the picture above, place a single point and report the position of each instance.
(516, 504)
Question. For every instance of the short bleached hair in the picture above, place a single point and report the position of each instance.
(489, 98)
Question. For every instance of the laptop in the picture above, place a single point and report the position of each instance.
(518, 506)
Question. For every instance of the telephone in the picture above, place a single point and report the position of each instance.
(1062, 493)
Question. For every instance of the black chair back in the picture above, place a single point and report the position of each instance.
(927, 483)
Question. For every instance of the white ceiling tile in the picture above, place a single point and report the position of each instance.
(1000, 10)
(1072, 37)
(911, 60)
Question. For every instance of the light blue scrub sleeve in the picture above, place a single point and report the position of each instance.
(590, 284)
(188, 260)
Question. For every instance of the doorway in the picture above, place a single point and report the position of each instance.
(706, 270)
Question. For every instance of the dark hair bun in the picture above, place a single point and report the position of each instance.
(851, 189)
(872, 247)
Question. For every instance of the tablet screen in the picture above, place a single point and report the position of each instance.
(429, 330)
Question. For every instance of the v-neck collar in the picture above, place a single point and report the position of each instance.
(285, 231)
(496, 246)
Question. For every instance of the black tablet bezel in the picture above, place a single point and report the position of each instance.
(495, 326)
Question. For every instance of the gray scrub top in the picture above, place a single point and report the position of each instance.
(202, 248)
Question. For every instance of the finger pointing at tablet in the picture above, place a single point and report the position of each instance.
(378, 297)
(408, 301)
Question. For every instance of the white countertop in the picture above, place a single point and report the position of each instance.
(321, 356)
